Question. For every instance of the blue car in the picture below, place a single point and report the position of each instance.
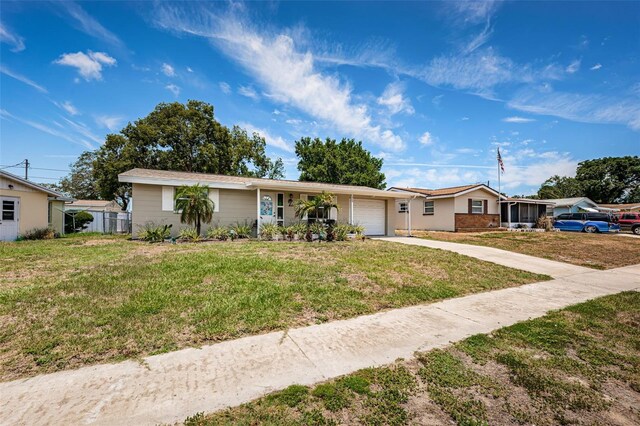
(586, 222)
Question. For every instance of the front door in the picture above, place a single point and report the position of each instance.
(9, 214)
(267, 208)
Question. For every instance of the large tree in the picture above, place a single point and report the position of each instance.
(604, 180)
(560, 187)
(610, 179)
(80, 183)
(344, 162)
(183, 137)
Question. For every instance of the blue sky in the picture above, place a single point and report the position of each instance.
(433, 87)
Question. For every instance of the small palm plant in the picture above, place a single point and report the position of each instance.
(194, 205)
(312, 207)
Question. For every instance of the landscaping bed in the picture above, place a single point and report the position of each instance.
(71, 302)
(598, 251)
(579, 365)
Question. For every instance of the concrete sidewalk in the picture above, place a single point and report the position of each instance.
(524, 262)
(168, 388)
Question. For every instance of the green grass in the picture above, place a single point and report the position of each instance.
(83, 300)
(598, 251)
(580, 365)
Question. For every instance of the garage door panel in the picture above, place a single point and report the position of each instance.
(371, 214)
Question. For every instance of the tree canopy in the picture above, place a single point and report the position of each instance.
(181, 137)
(345, 162)
(604, 180)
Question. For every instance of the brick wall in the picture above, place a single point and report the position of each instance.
(467, 221)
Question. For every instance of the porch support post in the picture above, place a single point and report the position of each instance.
(259, 222)
(409, 214)
(351, 209)
(508, 215)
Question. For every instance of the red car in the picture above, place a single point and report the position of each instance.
(629, 221)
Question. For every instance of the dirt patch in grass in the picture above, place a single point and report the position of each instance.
(68, 303)
(598, 251)
(546, 371)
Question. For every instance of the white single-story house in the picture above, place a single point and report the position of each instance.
(518, 212)
(572, 205)
(108, 216)
(255, 201)
(459, 208)
(25, 205)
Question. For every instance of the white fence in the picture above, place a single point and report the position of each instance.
(109, 222)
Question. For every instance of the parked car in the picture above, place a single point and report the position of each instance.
(586, 222)
(629, 221)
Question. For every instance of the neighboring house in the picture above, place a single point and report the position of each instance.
(631, 207)
(255, 201)
(108, 216)
(571, 205)
(518, 212)
(460, 208)
(25, 205)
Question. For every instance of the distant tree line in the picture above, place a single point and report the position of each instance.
(604, 180)
(187, 137)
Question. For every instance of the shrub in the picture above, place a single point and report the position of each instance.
(39, 234)
(76, 221)
(341, 231)
(318, 229)
(299, 230)
(189, 234)
(268, 231)
(154, 233)
(220, 233)
(242, 230)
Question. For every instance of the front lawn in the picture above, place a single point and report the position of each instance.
(599, 251)
(579, 365)
(76, 301)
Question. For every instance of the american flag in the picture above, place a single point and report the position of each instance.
(500, 161)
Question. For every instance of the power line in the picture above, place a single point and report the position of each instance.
(20, 165)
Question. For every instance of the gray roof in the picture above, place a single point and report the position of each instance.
(51, 192)
(563, 202)
(168, 177)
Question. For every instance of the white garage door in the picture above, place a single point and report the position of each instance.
(371, 215)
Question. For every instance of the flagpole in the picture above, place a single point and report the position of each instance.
(499, 191)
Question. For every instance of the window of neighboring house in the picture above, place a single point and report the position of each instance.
(403, 207)
(477, 206)
(429, 207)
(549, 210)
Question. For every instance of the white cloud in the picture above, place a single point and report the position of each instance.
(574, 66)
(465, 119)
(70, 108)
(173, 89)
(541, 167)
(578, 107)
(480, 39)
(276, 112)
(82, 129)
(189, 69)
(432, 178)
(111, 122)
(89, 64)
(437, 100)
(474, 12)
(13, 39)
(249, 92)
(596, 67)
(226, 89)
(394, 100)
(168, 70)
(87, 24)
(426, 139)
(22, 79)
(288, 73)
(293, 121)
(46, 129)
(517, 119)
(274, 141)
